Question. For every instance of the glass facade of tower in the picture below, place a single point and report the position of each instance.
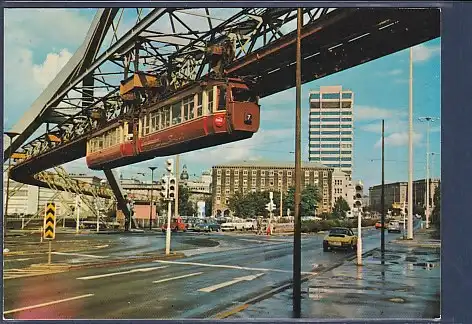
(331, 127)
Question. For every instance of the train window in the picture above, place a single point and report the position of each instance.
(243, 95)
(210, 100)
(221, 98)
(176, 113)
(199, 105)
(154, 119)
(100, 142)
(146, 120)
(188, 108)
(165, 118)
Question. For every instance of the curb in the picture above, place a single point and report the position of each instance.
(176, 255)
(285, 285)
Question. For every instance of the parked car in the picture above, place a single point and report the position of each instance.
(341, 238)
(207, 226)
(378, 225)
(177, 224)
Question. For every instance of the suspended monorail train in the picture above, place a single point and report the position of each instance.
(199, 116)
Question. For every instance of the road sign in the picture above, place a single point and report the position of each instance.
(49, 227)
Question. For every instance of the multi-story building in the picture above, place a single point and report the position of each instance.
(258, 176)
(331, 127)
(396, 194)
(342, 187)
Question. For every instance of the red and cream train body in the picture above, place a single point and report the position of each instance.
(203, 115)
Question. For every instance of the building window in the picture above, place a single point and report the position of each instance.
(228, 172)
(218, 172)
(227, 191)
(254, 173)
(253, 182)
(245, 182)
(262, 173)
(218, 180)
(314, 96)
(271, 173)
(218, 190)
(330, 96)
(262, 182)
(347, 95)
(236, 173)
(244, 172)
(218, 199)
(271, 182)
(236, 182)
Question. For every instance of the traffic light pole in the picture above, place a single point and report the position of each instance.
(169, 211)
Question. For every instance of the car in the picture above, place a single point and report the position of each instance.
(378, 225)
(207, 227)
(394, 226)
(340, 238)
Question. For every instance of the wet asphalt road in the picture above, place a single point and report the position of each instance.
(210, 280)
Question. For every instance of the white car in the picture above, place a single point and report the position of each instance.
(394, 227)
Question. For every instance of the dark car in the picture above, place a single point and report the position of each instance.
(207, 227)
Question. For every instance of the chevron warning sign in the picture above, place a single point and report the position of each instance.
(50, 221)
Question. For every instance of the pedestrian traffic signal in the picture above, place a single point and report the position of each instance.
(165, 187)
(170, 166)
(172, 187)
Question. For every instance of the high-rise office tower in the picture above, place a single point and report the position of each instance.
(331, 127)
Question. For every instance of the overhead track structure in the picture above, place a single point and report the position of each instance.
(178, 45)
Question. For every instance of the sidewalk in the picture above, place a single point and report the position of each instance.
(407, 285)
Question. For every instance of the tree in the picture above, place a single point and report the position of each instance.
(208, 206)
(418, 210)
(310, 198)
(436, 215)
(186, 207)
(340, 208)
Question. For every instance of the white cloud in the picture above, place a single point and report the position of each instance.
(374, 113)
(399, 139)
(52, 65)
(423, 53)
(41, 27)
(38, 42)
(242, 150)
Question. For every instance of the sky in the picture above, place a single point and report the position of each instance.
(38, 47)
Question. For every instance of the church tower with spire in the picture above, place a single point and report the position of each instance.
(184, 174)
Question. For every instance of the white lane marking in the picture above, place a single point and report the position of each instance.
(101, 246)
(46, 304)
(229, 283)
(226, 266)
(120, 273)
(21, 259)
(78, 254)
(179, 277)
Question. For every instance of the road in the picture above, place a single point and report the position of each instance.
(210, 280)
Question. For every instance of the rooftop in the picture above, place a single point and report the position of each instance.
(272, 164)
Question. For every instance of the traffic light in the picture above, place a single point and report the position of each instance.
(270, 206)
(165, 187)
(170, 166)
(172, 187)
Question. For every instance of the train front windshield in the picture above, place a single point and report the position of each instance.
(243, 95)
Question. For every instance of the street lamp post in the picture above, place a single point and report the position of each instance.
(10, 135)
(428, 121)
(150, 203)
